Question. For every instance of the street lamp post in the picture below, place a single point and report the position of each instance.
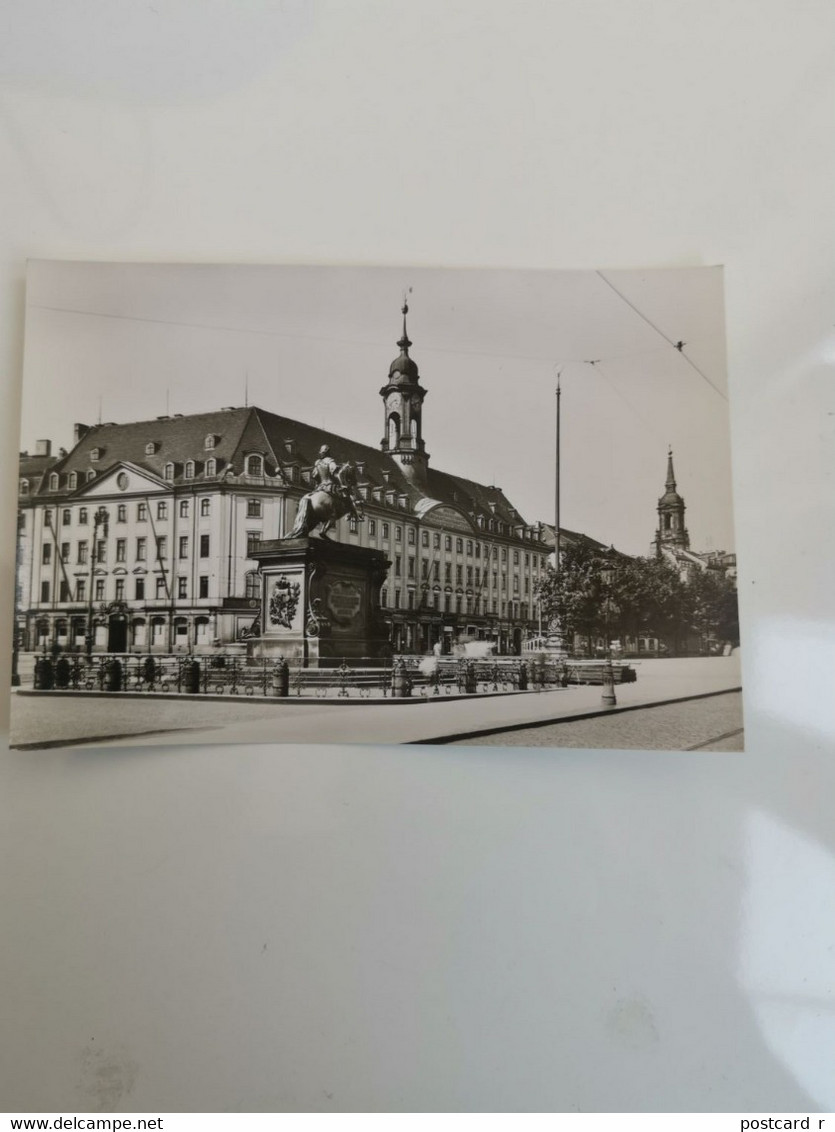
(100, 519)
(608, 697)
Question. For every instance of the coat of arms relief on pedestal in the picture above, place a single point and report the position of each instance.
(284, 601)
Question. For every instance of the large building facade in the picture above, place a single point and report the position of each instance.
(139, 539)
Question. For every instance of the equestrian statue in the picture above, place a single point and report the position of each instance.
(331, 498)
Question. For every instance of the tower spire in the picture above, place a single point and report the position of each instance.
(403, 407)
(404, 342)
(671, 476)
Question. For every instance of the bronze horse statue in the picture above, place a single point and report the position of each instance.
(327, 503)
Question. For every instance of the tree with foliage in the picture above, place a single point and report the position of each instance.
(644, 596)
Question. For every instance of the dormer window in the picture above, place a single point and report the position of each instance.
(91, 475)
(361, 469)
(189, 470)
(24, 487)
(73, 481)
(150, 448)
(168, 472)
(290, 447)
(210, 442)
(254, 465)
(53, 482)
(211, 466)
(96, 454)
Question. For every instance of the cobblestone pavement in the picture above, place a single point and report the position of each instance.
(713, 724)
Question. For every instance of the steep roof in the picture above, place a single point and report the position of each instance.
(283, 443)
(32, 468)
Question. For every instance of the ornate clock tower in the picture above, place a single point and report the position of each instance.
(671, 529)
(403, 401)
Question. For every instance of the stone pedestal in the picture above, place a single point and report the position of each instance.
(320, 603)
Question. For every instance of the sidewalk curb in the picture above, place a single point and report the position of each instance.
(591, 713)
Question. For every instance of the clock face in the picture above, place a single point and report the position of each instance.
(122, 481)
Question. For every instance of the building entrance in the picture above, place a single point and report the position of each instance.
(117, 633)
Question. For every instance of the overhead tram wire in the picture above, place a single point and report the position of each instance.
(678, 346)
(271, 333)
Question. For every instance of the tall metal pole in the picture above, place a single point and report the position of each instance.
(557, 488)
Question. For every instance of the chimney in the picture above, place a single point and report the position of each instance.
(43, 447)
(79, 431)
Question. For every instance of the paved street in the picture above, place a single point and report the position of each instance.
(101, 720)
(713, 724)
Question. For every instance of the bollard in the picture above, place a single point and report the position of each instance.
(280, 680)
(62, 672)
(608, 698)
(191, 676)
(523, 677)
(113, 675)
(400, 684)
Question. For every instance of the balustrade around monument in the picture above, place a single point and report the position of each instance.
(222, 674)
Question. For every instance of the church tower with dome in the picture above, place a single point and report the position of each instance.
(403, 401)
(672, 533)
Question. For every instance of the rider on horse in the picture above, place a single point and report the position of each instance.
(334, 482)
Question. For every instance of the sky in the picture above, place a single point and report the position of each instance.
(122, 342)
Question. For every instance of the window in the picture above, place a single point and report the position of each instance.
(205, 507)
(411, 567)
(120, 589)
(141, 512)
(209, 443)
(448, 572)
(424, 538)
(372, 528)
(411, 536)
(91, 475)
(504, 554)
(448, 542)
(82, 515)
(469, 575)
(160, 587)
(459, 571)
(436, 571)
(183, 508)
(411, 599)
(99, 589)
(385, 530)
(397, 599)
(162, 546)
(46, 553)
(527, 559)
(73, 481)
(459, 545)
(82, 553)
(101, 550)
(251, 582)
(141, 549)
(168, 472)
(203, 582)
(24, 487)
(469, 546)
(95, 454)
(424, 568)
(352, 525)
(447, 603)
(66, 516)
(64, 590)
(81, 589)
(182, 587)
(188, 472)
(398, 533)
(211, 466)
(398, 564)
(162, 509)
(183, 550)
(53, 482)
(204, 546)
(254, 465)
(384, 596)
(436, 540)
(121, 549)
(121, 513)
(65, 552)
(516, 558)
(253, 508)
(253, 538)
(139, 592)
(44, 591)
(150, 448)
(478, 550)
